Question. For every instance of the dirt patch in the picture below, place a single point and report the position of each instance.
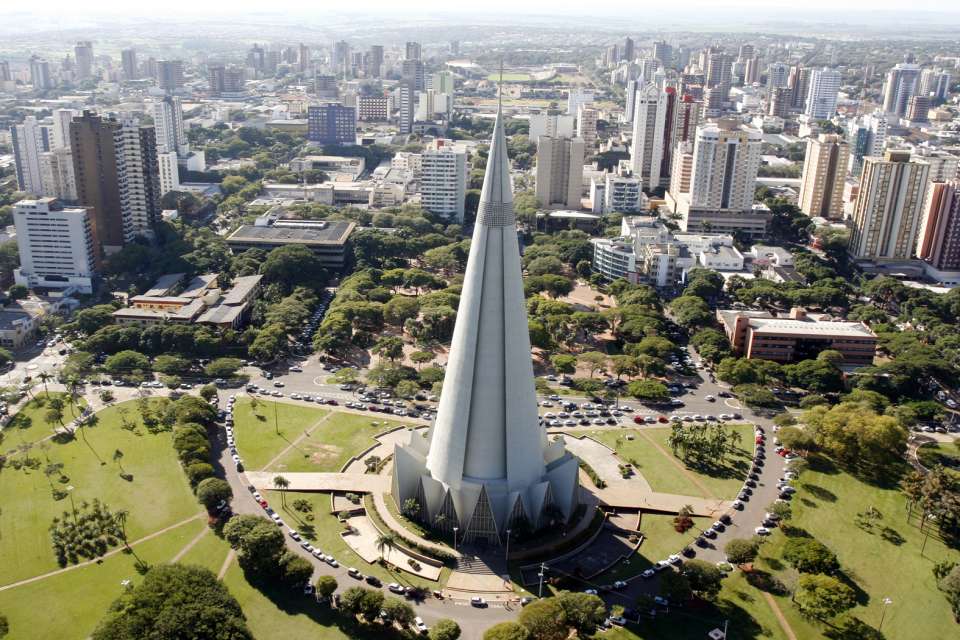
(320, 453)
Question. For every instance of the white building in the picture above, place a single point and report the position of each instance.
(443, 180)
(578, 97)
(56, 172)
(55, 244)
(822, 94)
(552, 126)
(29, 141)
(486, 465)
(167, 116)
(587, 125)
(623, 192)
(61, 127)
(559, 172)
(169, 173)
(649, 123)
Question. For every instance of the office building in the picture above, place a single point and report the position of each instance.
(303, 58)
(900, 85)
(577, 97)
(587, 126)
(167, 116)
(889, 208)
(935, 83)
(340, 60)
(56, 174)
(868, 137)
(622, 191)
(663, 52)
(824, 174)
(799, 82)
(328, 239)
(551, 126)
(61, 127)
(405, 98)
(918, 111)
(443, 180)
(117, 175)
(373, 108)
(413, 51)
(40, 76)
(797, 336)
(487, 465)
(627, 52)
(331, 123)
(412, 71)
(777, 76)
(442, 82)
(718, 73)
(170, 76)
(55, 245)
(5, 75)
(780, 103)
(649, 129)
(559, 172)
(29, 141)
(822, 95)
(83, 54)
(325, 86)
(225, 81)
(751, 71)
(128, 62)
(938, 243)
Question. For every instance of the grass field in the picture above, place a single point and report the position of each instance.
(265, 430)
(29, 424)
(68, 606)
(156, 496)
(941, 453)
(509, 77)
(661, 471)
(332, 443)
(883, 562)
(660, 540)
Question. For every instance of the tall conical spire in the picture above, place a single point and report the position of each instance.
(487, 450)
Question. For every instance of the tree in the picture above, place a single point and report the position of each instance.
(280, 483)
(857, 438)
(118, 458)
(222, 367)
(325, 586)
(675, 586)
(690, 311)
(238, 526)
(624, 366)
(742, 551)
(386, 541)
(398, 611)
(545, 265)
(704, 578)
(807, 555)
(593, 360)
(18, 292)
(171, 599)
(648, 390)
(545, 620)
(399, 309)
(950, 586)
(507, 631)
(823, 597)
(346, 375)
(389, 347)
(583, 611)
(292, 266)
(797, 439)
(4, 626)
(211, 491)
(171, 365)
(563, 363)
(445, 629)
(127, 363)
(361, 601)
(422, 357)
(260, 549)
(294, 570)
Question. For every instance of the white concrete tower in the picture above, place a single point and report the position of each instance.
(486, 465)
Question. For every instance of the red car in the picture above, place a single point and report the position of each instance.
(638, 419)
(663, 419)
(263, 503)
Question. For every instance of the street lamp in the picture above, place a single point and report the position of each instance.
(883, 612)
(506, 556)
(73, 507)
(455, 529)
(543, 568)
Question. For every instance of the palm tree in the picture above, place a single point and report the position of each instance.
(280, 483)
(44, 377)
(118, 458)
(120, 517)
(386, 541)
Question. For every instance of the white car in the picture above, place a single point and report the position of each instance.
(762, 531)
(675, 559)
(420, 625)
(276, 518)
(395, 588)
(647, 573)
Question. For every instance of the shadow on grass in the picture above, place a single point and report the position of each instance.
(819, 492)
(699, 618)
(766, 581)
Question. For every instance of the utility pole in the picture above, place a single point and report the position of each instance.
(506, 556)
(883, 612)
(543, 568)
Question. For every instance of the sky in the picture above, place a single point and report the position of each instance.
(649, 8)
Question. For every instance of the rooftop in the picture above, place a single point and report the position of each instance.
(762, 322)
(335, 232)
(164, 284)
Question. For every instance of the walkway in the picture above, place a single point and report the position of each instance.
(306, 434)
(146, 538)
(784, 624)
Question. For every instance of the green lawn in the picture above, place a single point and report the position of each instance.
(332, 443)
(210, 552)
(883, 562)
(264, 431)
(157, 496)
(660, 540)
(324, 533)
(661, 472)
(30, 425)
(69, 606)
(941, 453)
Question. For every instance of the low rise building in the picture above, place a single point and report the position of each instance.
(327, 238)
(798, 336)
(18, 325)
(200, 301)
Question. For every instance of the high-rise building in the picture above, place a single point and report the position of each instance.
(128, 61)
(900, 85)
(868, 137)
(939, 239)
(663, 52)
(331, 123)
(627, 53)
(40, 76)
(587, 126)
(29, 141)
(780, 102)
(682, 168)
(631, 96)
(170, 75)
(443, 180)
(325, 86)
(649, 126)
(889, 208)
(718, 72)
(686, 119)
(227, 81)
(824, 174)
(169, 172)
(5, 75)
(116, 170)
(821, 103)
(751, 70)
(442, 82)
(454, 47)
(375, 67)
(61, 127)
(413, 72)
(777, 77)
(919, 109)
(373, 108)
(799, 81)
(559, 172)
(486, 465)
(550, 125)
(83, 53)
(726, 158)
(167, 116)
(413, 51)
(56, 174)
(303, 58)
(406, 98)
(55, 244)
(340, 60)
(577, 97)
